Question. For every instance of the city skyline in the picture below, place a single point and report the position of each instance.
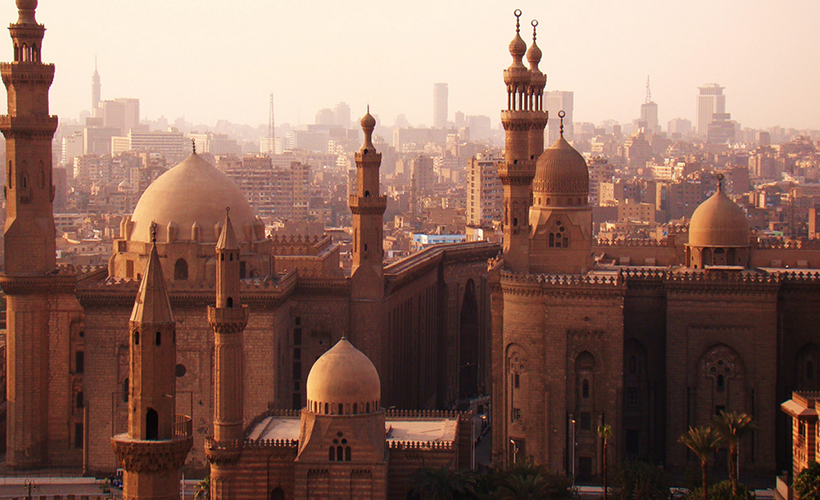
(317, 54)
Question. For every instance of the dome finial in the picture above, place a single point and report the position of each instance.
(193, 145)
(153, 232)
(517, 14)
(720, 182)
(561, 115)
(534, 24)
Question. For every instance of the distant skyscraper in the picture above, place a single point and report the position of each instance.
(95, 89)
(710, 101)
(554, 102)
(649, 112)
(440, 94)
(325, 117)
(678, 128)
(341, 115)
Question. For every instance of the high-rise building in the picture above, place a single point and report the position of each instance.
(555, 101)
(710, 101)
(649, 112)
(484, 190)
(341, 115)
(122, 114)
(440, 95)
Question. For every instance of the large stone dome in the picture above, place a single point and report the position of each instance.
(719, 222)
(193, 192)
(561, 171)
(343, 376)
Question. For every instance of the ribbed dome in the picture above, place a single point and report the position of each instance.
(193, 192)
(343, 375)
(561, 170)
(719, 222)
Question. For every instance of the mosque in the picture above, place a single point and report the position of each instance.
(205, 343)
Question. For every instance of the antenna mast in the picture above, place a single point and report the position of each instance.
(648, 92)
(271, 128)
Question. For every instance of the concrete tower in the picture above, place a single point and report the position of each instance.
(29, 239)
(440, 96)
(367, 314)
(158, 440)
(95, 89)
(518, 169)
(228, 318)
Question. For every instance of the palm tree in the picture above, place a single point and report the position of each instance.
(203, 489)
(605, 433)
(732, 427)
(442, 483)
(703, 441)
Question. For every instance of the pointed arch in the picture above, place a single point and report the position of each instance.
(469, 343)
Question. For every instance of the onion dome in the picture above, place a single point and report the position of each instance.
(192, 193)
(25, 9)
(534, 53)
(561, 172)
(517, 72)
(368, 125)
(344, 376)
(719, 222)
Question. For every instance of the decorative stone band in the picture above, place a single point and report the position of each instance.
(28, 126)
(151, 456)
(228, 320)
(367, 205)
(222, 452)
(37, 284)
(420, 445)
(30, 73)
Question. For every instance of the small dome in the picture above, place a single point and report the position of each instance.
(561, 170)
(368, 121)
(719, 222)
(518, 47)
(193, 192)
(343, 375)
(124, 185)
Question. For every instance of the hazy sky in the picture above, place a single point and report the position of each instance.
(214, 59)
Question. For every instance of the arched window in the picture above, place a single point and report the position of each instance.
(633, 365)
(340, 454)
(230, 302)
(367, 407)
(355, 408)
(721, 383)
(151, 425)
(125, 390)
(347, 453)
(585, 389)
(181, 270)
(341, 409)
(552, 240)
(517, 378)
(136, 337)
(79, 401)
(331, 453)
(277, 494)
(326, 409)
(159, 338)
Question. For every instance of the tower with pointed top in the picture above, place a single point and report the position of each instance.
(29, 239)
(367, 316)
(518, 168)
(157, 442)
(228, 318)
(95, 89)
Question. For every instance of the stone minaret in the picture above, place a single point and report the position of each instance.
(539, 117)
(367, 316)
(228, 318)
(158, 440)
(518, 169)
(29, 240)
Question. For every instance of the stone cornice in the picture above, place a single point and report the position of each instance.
(38, 284)
(151, 456)
(566, 286)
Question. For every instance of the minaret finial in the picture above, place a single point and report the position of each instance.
(561, 115)
(193, 145)
(720, 182)
(517, 20)
(368, 107)
(227, 211)
(153, 232)
(534, 25)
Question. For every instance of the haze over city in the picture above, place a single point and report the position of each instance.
(210, 60)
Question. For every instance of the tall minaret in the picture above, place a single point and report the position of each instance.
(29, 239)
(538, 81)
(367, 317)
(518, 169)
(368, 208)
(95, 89)
(158, 440)
(228, 318)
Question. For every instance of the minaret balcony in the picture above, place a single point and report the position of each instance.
(142, 455)
(228, 319)
(28, 125)
(361, 205)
